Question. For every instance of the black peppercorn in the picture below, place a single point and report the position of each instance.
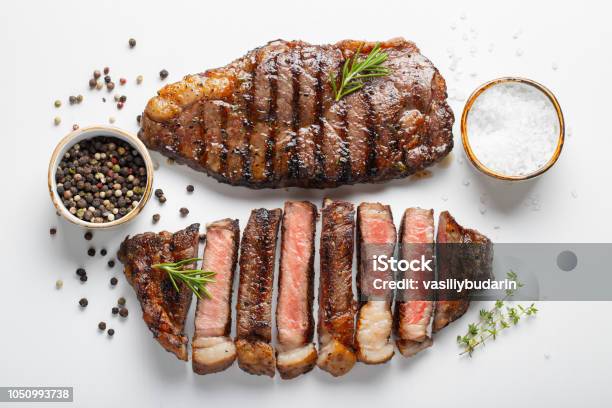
(52, 231)
(159, 192)
(190, 188)
(121, 301)
(123, 312)
(113, 281)
(163, 74)
(162, 199)
(106, 70)
(132, 43)
(115, 310)
(111, 263)
(81, 272)
(111, 332)
(102, 326)
(91, 251)
(103, 252)
(184, 211)
(83, 278)
(88, 235)
(83, 302)
(156, 218)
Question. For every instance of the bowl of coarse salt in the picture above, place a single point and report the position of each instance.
(512, 129)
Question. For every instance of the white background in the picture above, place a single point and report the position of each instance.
(49, 49)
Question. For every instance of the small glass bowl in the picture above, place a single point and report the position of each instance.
(87, 133)
(465, 136)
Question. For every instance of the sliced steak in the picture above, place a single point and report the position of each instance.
(336, 323)
(254, 307)
(414, 308)
(164, 310)
(270, 119)
(213, 348)
(462, 253)
(376, 236)
(296, 353)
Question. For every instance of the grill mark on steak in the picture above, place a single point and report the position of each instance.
(336, 323)
(164, 310)
(376, 236)
(408, 122)
(253, 322)
(462, 253)
(296, 353)
(414, 308)
(212, 348)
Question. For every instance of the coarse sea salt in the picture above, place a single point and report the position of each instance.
(513, 129)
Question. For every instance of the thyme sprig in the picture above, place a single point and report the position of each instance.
(357, 70)
(495, 320)
(195, 279)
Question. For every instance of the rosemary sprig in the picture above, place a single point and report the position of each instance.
(495, 320)
(195, 279)
(356, 70)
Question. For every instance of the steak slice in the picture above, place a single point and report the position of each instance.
(213, 349)
(462, 253)
(376, 236)
(270, 119)
(254, 307)
(164, 310)
(414, 308)
(296, 353)
(336, 323)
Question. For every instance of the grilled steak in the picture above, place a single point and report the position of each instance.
(336, 323)
(213, 348)
(296, 353)
(414, 308)
(461, 254)
(254, 314)
(163, 308)
(376, 236)
(269, 119)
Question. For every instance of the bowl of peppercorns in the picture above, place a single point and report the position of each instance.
(100, 177)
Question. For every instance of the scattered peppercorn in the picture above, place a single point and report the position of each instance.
(52, 230)
(91, 251)
(156, 218)
(88, 235)
(83, 278)
(96, 74)
(57, 103)
(122, 81)
(139, 79)
(111, 120)
(75, 127)
(121, 301)
(106, 70)
(103, 252)
(184, 211)
(119, 105)
(202, 237)
(138, 117)
(83, 302)
(59, 284)
(107, 79)
(162, 199)
(115, 310)
(110, 86)
(132, 43)
(113, 281)
(111, 332)
(190, 188)
(159, 192)
(163, 74)
(111, 263)
(81, 272)
(72, 99)
(99, 86)
(57, 120)
(92, 83)
(123, 312)
(102, 326)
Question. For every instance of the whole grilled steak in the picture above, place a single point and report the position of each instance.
(164, 310)
(414, 308)
(462, 253)
(213, 348)
(336, 323)
(269, 119)
(376, 236)
(296, 353)
(254, 307)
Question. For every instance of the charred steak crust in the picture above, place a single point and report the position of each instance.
(254, 306)
(164, 309)
(461, 253)
(269, 120)
(337, 306)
